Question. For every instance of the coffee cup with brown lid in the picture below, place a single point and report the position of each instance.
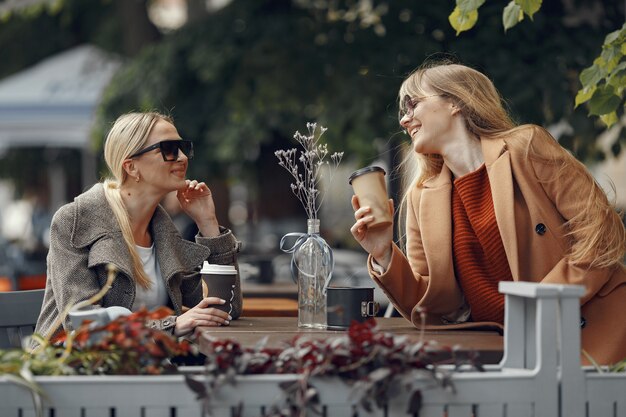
(370, 188)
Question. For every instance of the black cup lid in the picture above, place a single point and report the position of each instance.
(365, 170)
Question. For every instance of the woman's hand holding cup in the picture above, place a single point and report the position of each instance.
(373, 212)
(203, 314)
(376, 241)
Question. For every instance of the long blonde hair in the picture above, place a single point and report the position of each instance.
(128, 135)
(597, 233)
(472, 92)
(479, 102)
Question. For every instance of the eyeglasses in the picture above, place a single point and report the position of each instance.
(409, 104)
(169, 149)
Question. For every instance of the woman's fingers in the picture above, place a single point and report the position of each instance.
(194, 189)
(203, 310)
(208, 322)
(355, 203)
(205, 302)
(214, 312)
(361, 212)
(202, 315)
(214, 300)
(359, 228)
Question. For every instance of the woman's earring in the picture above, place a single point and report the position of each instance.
(137, 178)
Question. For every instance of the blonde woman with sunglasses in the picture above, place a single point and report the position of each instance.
(488, 201)
(121, 222)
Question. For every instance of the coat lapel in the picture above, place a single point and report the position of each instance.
(498, 163)
(174, 253)
(95, 225)
(436, 229)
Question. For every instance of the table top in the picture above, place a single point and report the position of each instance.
(250, 330)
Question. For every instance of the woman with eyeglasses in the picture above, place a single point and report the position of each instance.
(120, 222)
(489, 201)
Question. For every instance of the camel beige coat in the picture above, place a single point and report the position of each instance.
(532, 202)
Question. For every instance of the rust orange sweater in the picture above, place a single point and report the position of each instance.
(479, 258)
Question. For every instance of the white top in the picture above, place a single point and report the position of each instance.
(156, 296)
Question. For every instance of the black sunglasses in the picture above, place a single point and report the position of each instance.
(169, 149)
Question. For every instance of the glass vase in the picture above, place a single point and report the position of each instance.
(312, 266)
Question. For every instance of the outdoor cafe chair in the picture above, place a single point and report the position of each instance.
(19, 311)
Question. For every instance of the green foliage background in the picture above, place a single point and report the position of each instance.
(254, 72)
(240, 81)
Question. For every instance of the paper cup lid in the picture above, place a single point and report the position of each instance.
(208, 268)
(365, 170)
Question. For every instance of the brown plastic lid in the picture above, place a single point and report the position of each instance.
(365, 170)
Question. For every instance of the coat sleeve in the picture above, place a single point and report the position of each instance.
(405, 282)
(570, 187)
(69, 278)
(408, 282)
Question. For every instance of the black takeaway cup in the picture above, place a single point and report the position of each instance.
(345, 304)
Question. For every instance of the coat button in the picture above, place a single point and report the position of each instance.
(540, 229)
(583, 322)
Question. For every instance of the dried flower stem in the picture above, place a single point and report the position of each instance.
(313, 158)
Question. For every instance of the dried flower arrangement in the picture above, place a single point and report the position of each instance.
(313, 159)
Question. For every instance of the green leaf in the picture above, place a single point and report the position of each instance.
(467, 6)
(603, 101)
(620, 67)
(617, 77)
(511, 15)
(530, 7)
(590, 76)
(600, 62)
(618, 80)
(609, 119)
(611, 55)
(612, 37)
(623, 49)
(462, 21)
(584, 95)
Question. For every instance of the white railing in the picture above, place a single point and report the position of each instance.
(540, 375)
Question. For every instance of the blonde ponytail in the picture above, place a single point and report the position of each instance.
(128, 134)
(112, 194)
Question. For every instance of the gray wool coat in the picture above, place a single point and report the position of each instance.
(85, 237)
